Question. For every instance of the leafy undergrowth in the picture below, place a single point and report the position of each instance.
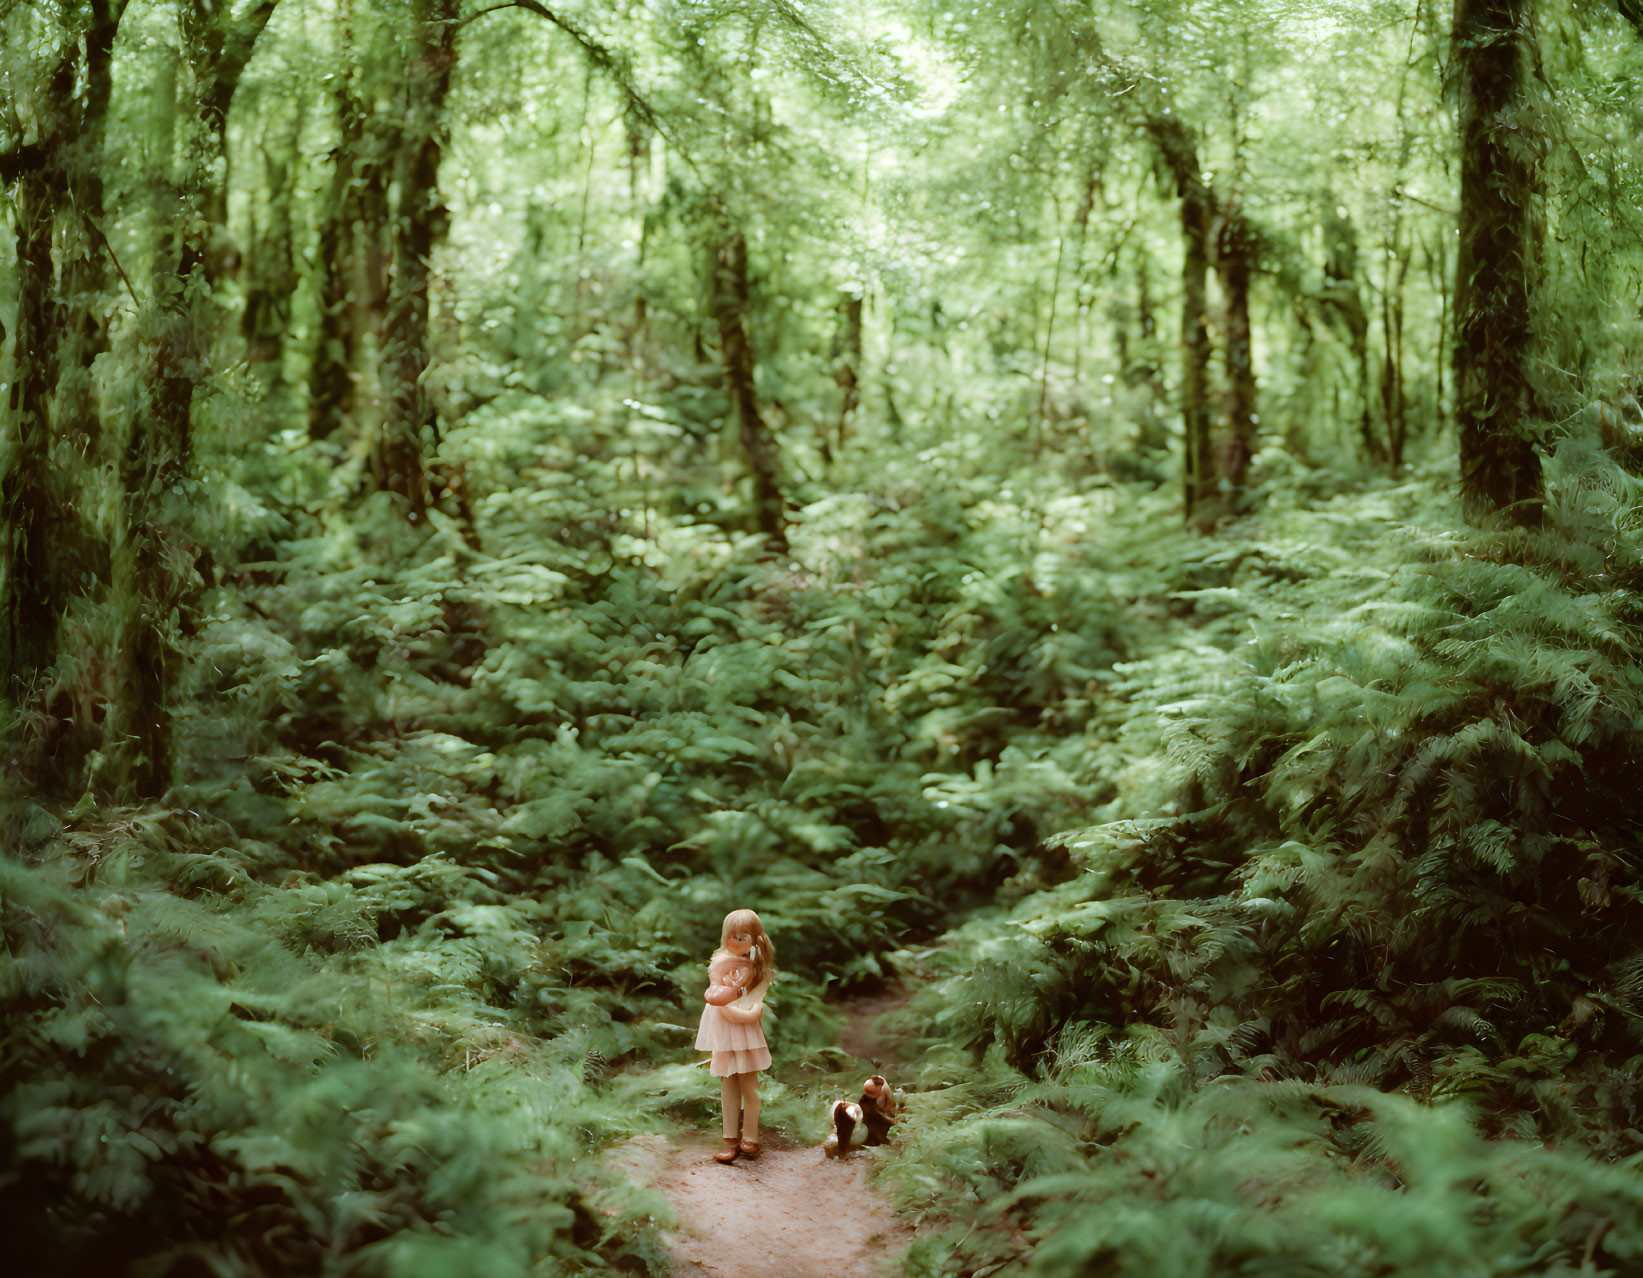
(461, 807)
(249, 1083)
(1348, 979)
(1273, 890)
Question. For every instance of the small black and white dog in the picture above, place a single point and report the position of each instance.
(866, 1122)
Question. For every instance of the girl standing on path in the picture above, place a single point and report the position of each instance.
(746, 960)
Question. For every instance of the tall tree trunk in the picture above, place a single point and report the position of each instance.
(75, 730)
(1437, 267)
(1392, 386)
(148, 577)
(730, 304)
(639, 149)
(1304, 360)
(1196, 470)
(31, 505)
(331, 372)
(86, 255)
(1345, 305)
(1499, 466)
(1080, 301)
(1236, 247)
(1120, 314)
(1041, 421)
(1180, 152)
(153, 571)
(846, 368)
(1394, 271)
(272, 269)
(1152, 433)
(381, 137)
(330, 375)
(398, 462)
(49, 550)
(374, 243)
(150, 544)
(218, 49)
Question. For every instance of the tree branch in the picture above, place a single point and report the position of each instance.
(109, 249)
(239, 42)
(1425, 204)
(602, 58)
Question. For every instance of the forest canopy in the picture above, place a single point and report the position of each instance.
(1117, 521)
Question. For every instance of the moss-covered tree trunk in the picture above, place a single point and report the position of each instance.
(730, 305)
(150, 546)
(271, 277)
(56, 198)
(154, 571)
(1197, 472)
(152, 462)
(1393, 401)
(846, 366)
(86, 258)
(30, 503)
(149, 575)
(218, 49)
(1143, 369)
(398, 461)
(331, 374)
(1344, 305)
(1494, 402)
(1236, 247)
(1180, 152)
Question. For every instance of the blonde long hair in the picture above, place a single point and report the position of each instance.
(761, 957)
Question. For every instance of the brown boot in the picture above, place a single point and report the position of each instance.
(729, 1152)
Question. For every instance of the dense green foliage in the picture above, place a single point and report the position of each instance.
(485, 490)
(1372, 845)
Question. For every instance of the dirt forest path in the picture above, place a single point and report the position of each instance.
(792, 1211)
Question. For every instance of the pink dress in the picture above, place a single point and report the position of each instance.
(737, 1049)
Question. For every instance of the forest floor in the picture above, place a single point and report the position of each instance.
(793, 1210)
